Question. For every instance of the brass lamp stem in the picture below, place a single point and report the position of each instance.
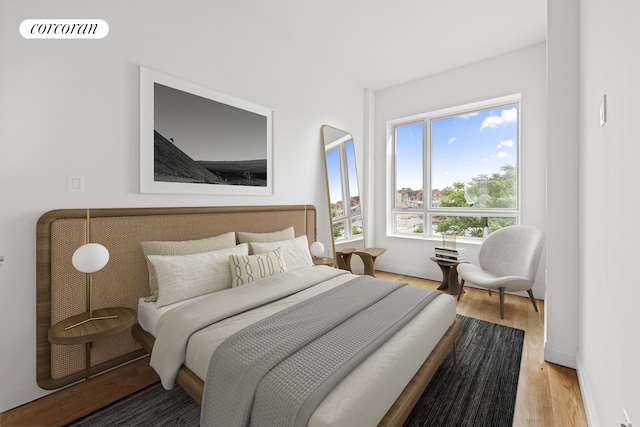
(89, 277)
(89, 290)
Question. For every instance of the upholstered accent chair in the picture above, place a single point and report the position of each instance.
(509, 259)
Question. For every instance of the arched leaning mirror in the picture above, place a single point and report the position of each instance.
(345, 204)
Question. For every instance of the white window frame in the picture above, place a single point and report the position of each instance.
(427, 210)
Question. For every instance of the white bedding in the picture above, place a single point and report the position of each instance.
(149, 313)
(366, 394)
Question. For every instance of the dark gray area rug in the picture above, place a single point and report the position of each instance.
(478, 390)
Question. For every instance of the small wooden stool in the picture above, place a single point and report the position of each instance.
(344, 258)
(369, 256)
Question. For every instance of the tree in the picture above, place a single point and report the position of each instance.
(495, 191)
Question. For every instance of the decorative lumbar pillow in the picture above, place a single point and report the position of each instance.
(223, 241)
(294, 251)
(250, 268)
(276, 236)
(186, 276)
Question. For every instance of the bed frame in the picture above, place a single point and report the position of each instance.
(397, 414)
(61, 288)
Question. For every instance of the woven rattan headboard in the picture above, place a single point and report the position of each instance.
(61, 290)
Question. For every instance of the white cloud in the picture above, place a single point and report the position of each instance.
(510, 116)
(507, 143)
(491, 122)
(507, 116)
(452, 139)
(467, 116)
(501, 154)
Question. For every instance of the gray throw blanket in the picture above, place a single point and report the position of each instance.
(277, 371)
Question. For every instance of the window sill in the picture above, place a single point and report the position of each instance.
(347, 241)
(438, 239)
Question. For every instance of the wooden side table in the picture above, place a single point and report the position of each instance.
(449, 276)
(344, 258)
(88, 332)
(369, 256)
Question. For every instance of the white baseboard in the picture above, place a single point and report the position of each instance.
(560, 354)
(404, 269)
(587, 397)
(424, 274)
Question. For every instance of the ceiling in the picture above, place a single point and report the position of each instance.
(379, 43)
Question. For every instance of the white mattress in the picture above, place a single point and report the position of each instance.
(364, 396)
(149, 313)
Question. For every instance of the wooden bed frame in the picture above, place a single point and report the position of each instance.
(61, 289)
(397, 414)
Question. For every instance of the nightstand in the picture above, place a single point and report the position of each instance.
(449, 276)
(324, 261)
(369, 256)
(344, 258)
(93, 330)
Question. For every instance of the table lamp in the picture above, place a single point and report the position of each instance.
(88, 259)
(317, 249)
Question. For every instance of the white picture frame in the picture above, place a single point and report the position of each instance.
(207, 142)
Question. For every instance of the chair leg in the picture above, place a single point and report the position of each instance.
(461, 288)
(533, 300)
(502, 303)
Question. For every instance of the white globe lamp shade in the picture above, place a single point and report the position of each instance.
(90, 258)
(317, 249)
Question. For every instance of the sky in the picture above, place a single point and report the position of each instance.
(463, 147)
(333, 172)
(334, 175)
(206, 129)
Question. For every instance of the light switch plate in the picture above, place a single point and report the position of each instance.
(75, 184)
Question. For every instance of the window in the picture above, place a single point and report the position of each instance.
(468, 158)
(344, 197)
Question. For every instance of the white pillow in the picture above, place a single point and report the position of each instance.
(294, 251)
(186, 276)
(249, 268)
(223, 241)
(275, 236)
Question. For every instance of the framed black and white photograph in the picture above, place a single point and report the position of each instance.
(194, 140)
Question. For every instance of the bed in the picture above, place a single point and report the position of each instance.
(123, 231)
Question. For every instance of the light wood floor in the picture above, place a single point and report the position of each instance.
(548, 394)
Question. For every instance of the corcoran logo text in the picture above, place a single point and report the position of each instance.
(64, 29)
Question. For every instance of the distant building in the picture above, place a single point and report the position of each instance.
(409, 197)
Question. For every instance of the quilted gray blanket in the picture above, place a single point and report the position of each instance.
(276, 371)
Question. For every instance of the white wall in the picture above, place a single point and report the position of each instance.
(522, 72)
(609, 334)
(71, 107)
(563, 239)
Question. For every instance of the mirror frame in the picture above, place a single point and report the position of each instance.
(324, 143)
